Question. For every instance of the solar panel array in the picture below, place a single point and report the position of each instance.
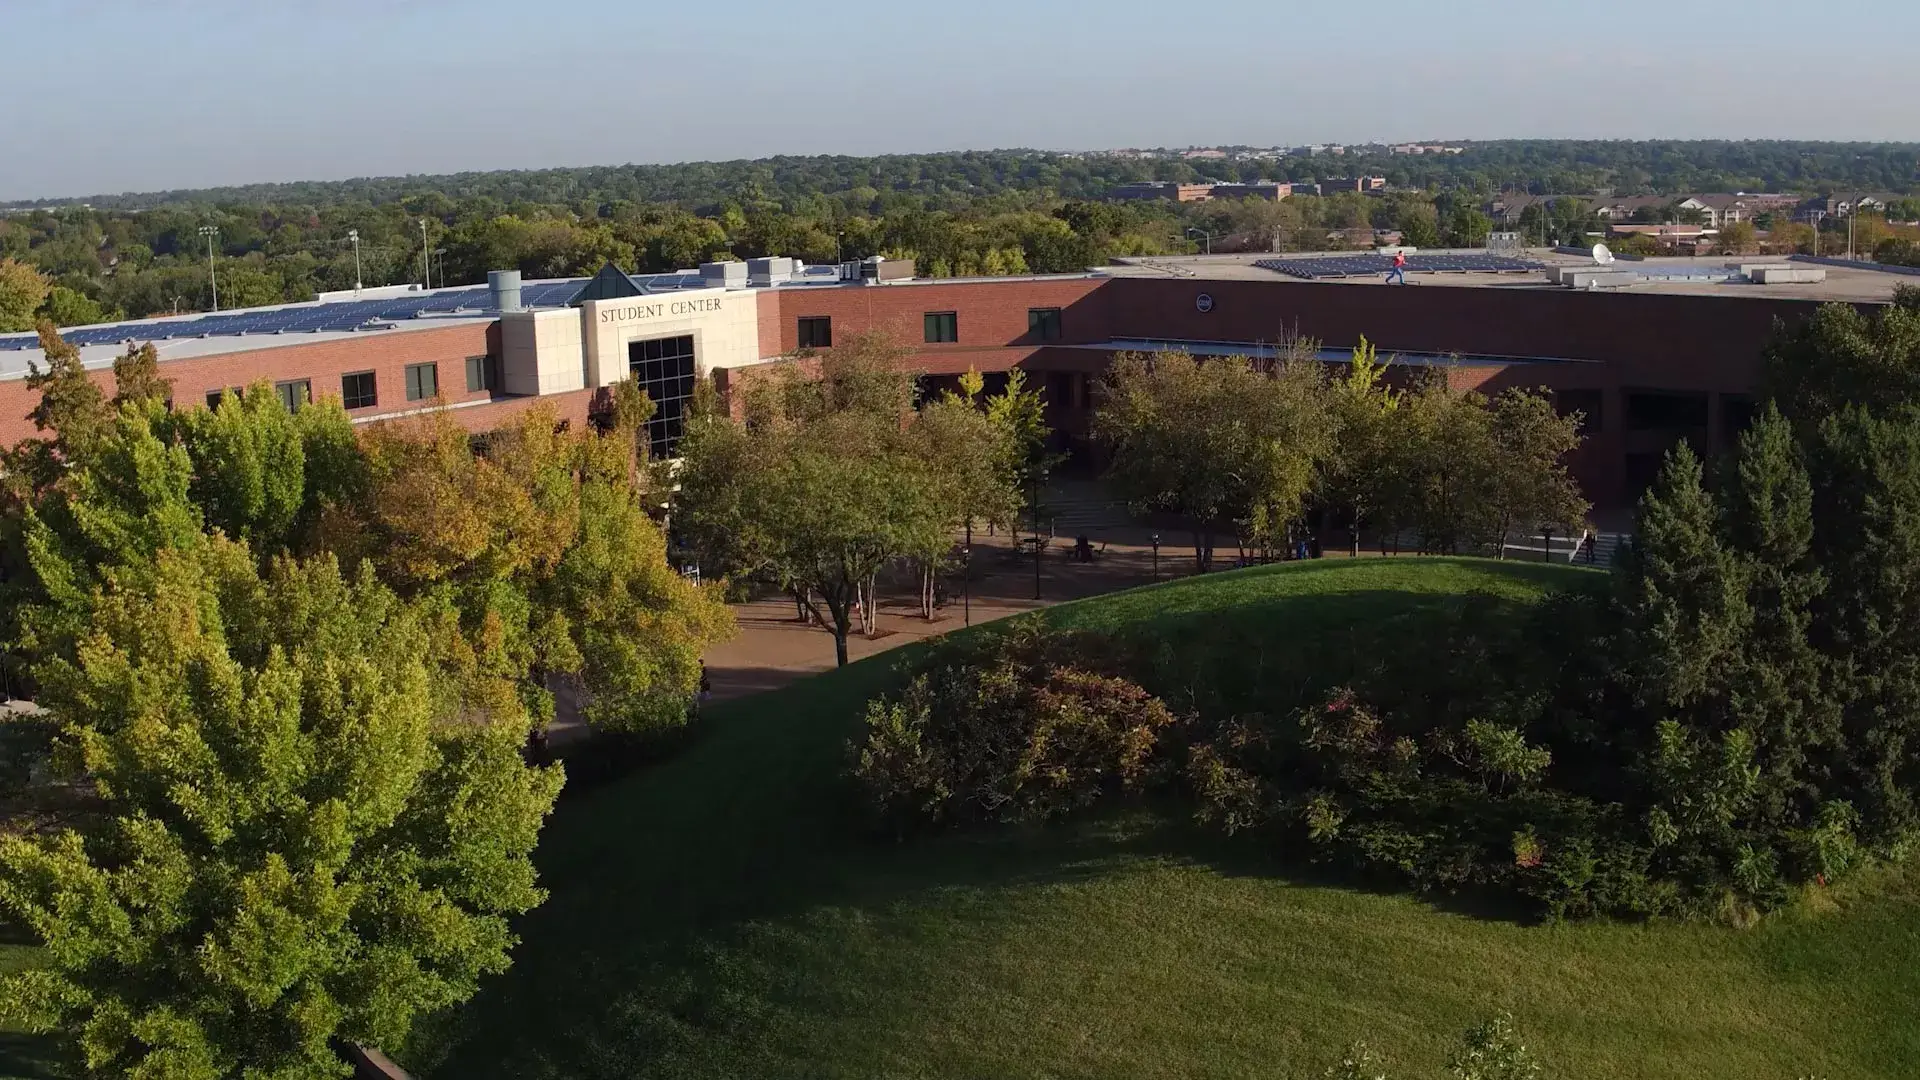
(339, 316)
(1342, 266)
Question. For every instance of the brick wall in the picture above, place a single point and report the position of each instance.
(322, 363)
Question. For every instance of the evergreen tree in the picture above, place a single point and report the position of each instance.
(1683, 592)
(1866, 482)
(1779, 691)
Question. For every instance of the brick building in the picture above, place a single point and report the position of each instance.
(1645, 368)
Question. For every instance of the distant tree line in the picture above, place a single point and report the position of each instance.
(960, 214)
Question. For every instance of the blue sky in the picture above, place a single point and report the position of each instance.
(117, 95)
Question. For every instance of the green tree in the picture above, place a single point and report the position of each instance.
(65, 307)
(1781, 691)
(70, 403)
(1739, 238)
(1215, 441)
(23, 288)
(1684, 593)
(969, 456)
(1529, 486)
(284, 844)
(816, 486)
(1352, 474)
(136, 377)
(249, 465)
(1846, 357)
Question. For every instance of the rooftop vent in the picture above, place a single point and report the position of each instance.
(503, 287)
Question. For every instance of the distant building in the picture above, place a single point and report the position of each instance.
(1205, 155)
(1821, 207)
(1162, 189)
(1622, 208)
(1273, 190)
(1367, 184)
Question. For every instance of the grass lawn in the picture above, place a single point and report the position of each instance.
(722, 915)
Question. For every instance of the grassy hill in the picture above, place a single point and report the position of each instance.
(723, 915)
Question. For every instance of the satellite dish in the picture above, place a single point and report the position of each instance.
(1601, 255)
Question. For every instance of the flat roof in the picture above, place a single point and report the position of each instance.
(1690, 276)
(335, 317)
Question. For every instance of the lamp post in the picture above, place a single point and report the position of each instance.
(354, 235)
(210, 232)
(1036, 535)
(1204, 233)
(1156, 557)
(426, 268)
(1546, 537)
(966, 584)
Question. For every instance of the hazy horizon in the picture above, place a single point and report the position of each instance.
(216, 93)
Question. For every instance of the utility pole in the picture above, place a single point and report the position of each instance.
(210, 232)
(354, 235)
(426, 268)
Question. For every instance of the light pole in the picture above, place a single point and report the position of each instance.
(1204, 233)
(210, 232)
(354, 235)
(1156, 558)
(1037, 545)
(966, 584)
(425, 267)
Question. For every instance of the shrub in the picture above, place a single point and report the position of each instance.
(1007, 735)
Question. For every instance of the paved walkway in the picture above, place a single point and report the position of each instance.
(774, 648)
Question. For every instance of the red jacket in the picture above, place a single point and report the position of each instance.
(1399, 258)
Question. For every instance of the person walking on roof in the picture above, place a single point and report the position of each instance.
(1399, 270)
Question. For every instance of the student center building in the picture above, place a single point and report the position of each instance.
(1645, 368)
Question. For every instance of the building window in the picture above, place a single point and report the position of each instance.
(1667, 412)
(943, 326)
(423, 381)
(1043, 323)
(357, 390)
(294, 393)
(664, 368)
(214, 397)
(816, 332)
(483, 373)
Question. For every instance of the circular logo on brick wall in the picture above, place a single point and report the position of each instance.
(1203, 303)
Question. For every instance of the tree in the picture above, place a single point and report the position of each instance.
(1739, 238)
(136, 377)
(1683, 592)
(70, 404)
(1466, 227)
(1529, 485)
(1844, 357)
(22, 290)
(1781, 691)
(817, 487)
(1437, 472)
(1353, 473)
(1214, 441)
(284, 846)
(975, 462)
(65, 307)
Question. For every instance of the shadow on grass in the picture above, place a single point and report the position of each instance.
(34, 1057)
(658, 879)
